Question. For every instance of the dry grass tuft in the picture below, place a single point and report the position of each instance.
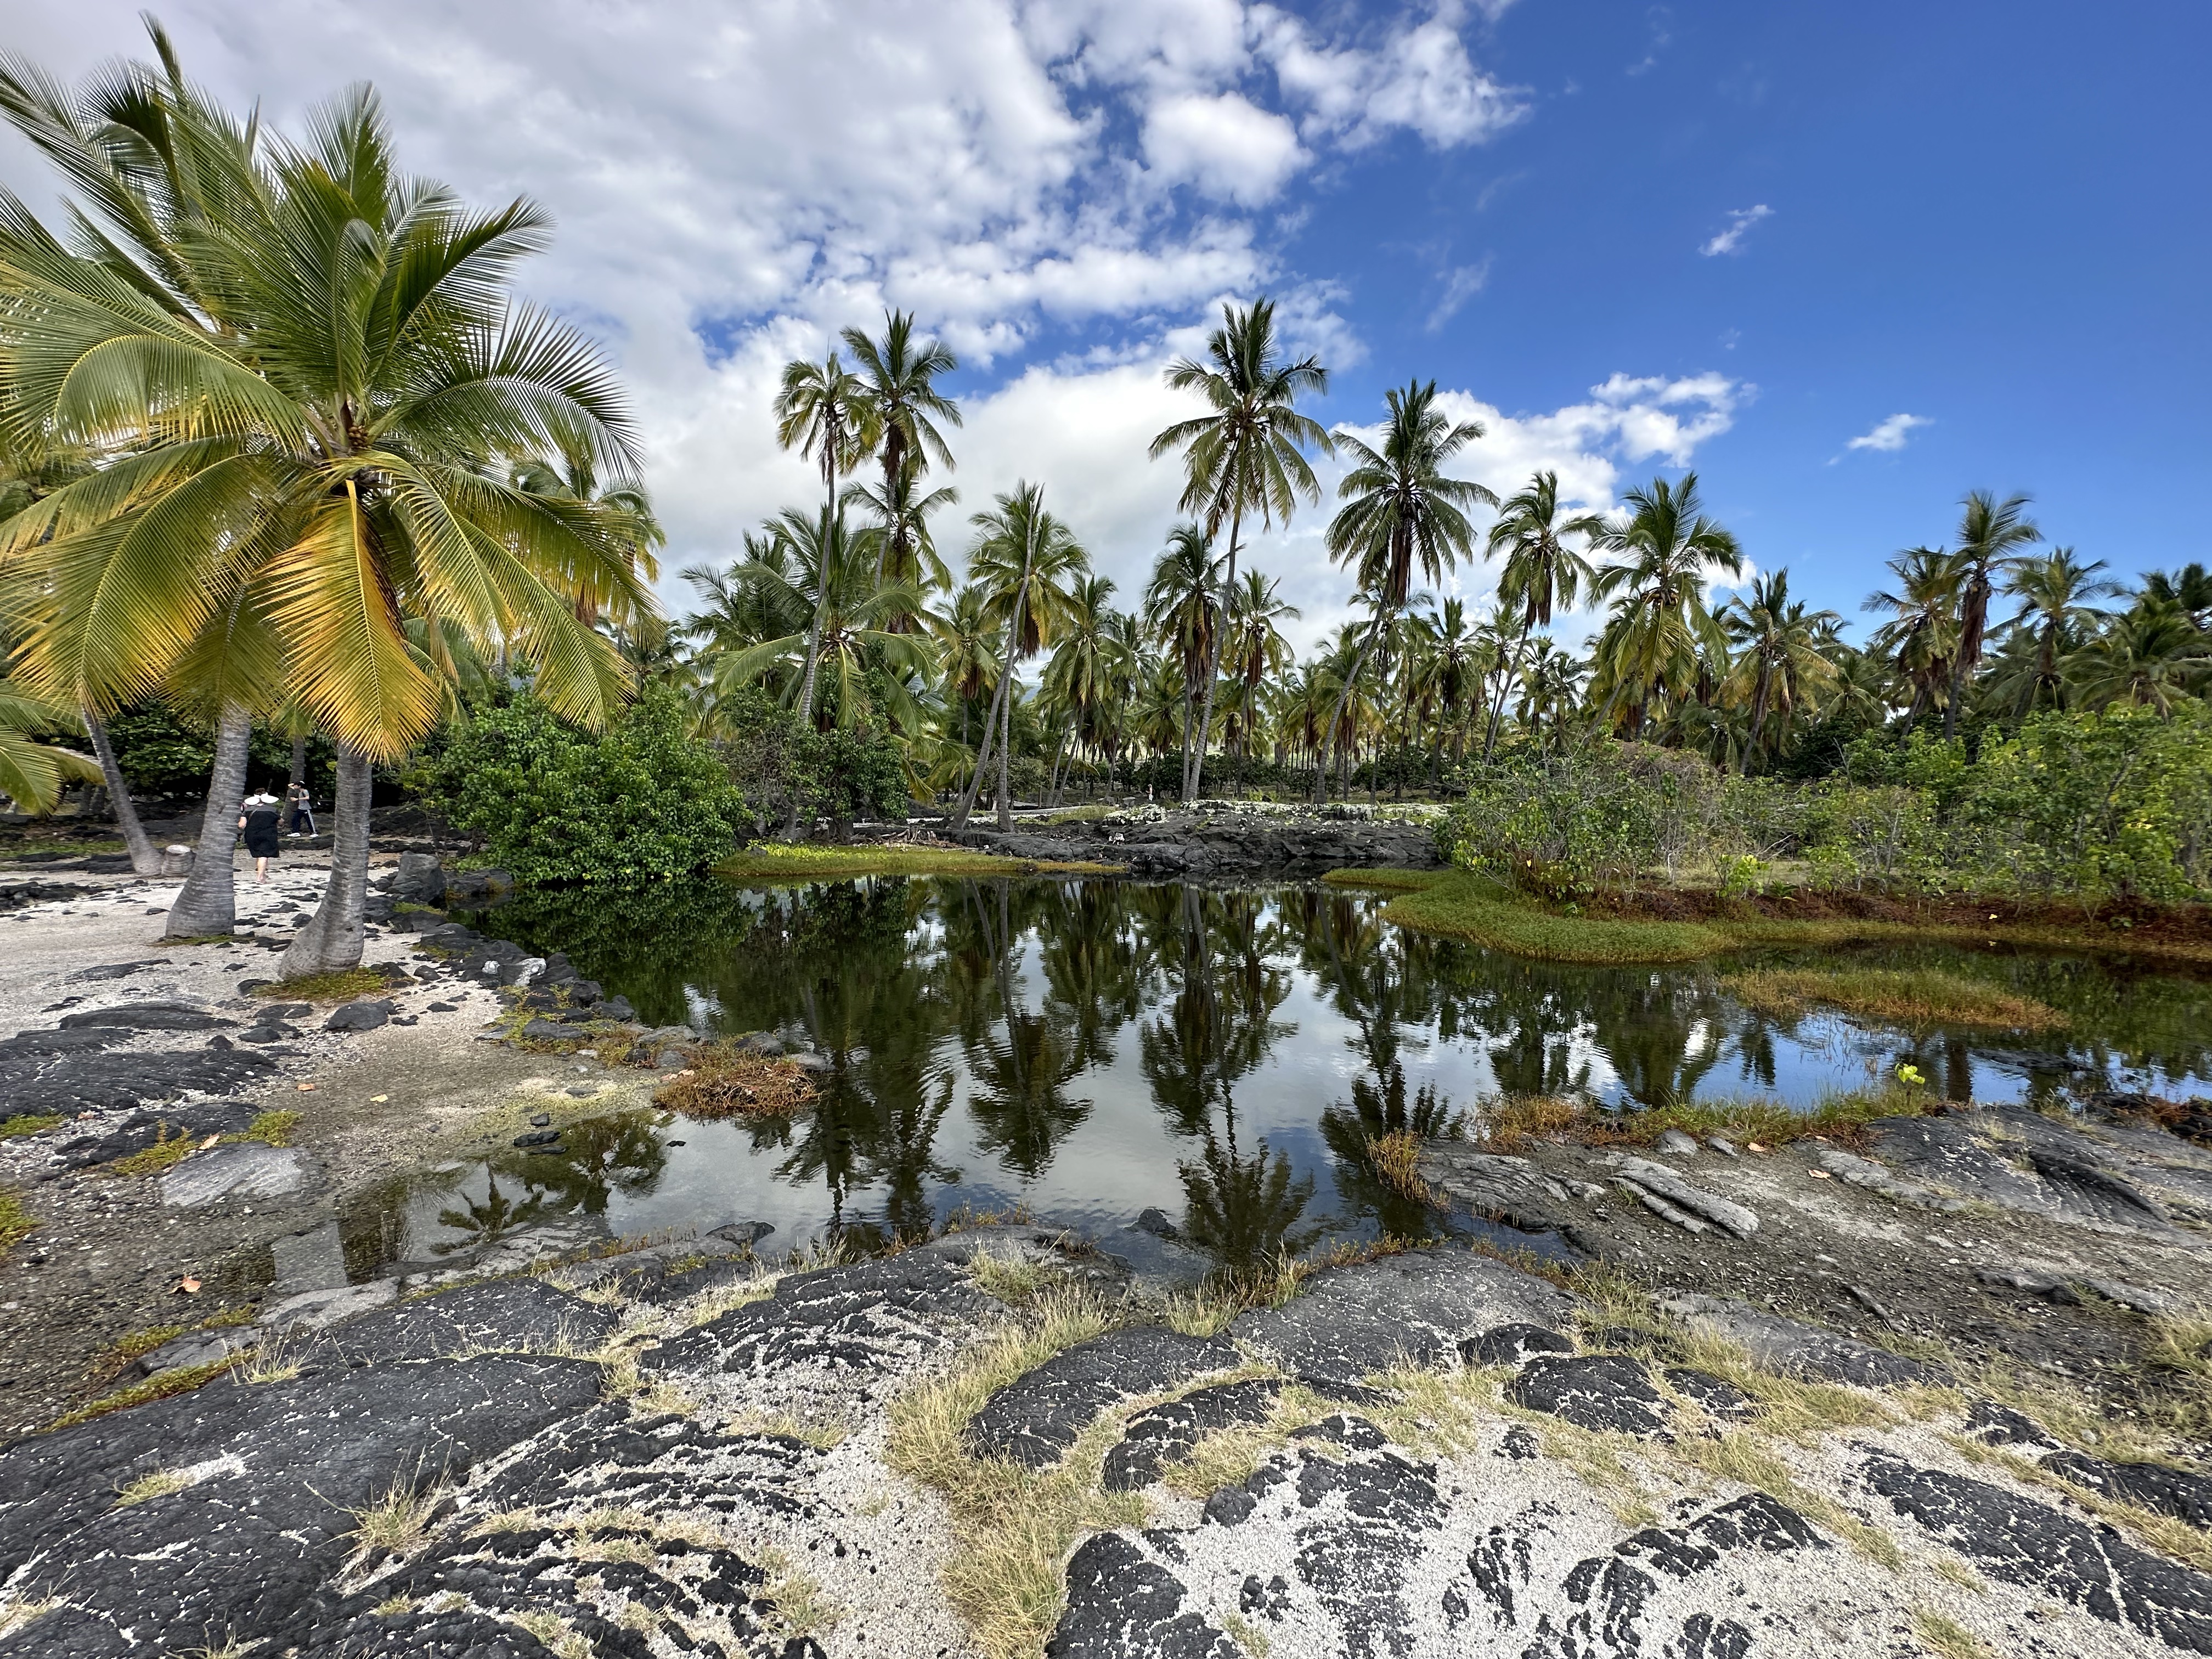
(1393, 1158)
(722, 1081)
(397, 1522)
(1920, 998)
(1014, 1278)
(157, 1483)
(800, 1608)
(1012, 1527)
(1945, 1638)
(1513, 1123)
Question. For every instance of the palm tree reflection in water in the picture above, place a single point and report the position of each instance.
(1010, 997)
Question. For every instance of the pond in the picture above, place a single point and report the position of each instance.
(1089, 1050)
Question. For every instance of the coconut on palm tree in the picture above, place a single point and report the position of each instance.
(1246, 456)
(301, 360)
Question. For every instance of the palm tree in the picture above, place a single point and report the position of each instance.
(898, 379)
(1024, 560)
(1661, 626)
(32, 773)
(2053, 590)
(1401, 511)
(1551, 689)
(899, 540)
(1082, 671)
(1183, 608)
(830, 578)
(824, 413)
(968, 649)
(2190, 587)
(302, 359)
(1246, 456)
(574, 476)
(1924, 633)
(2149, 658)
(1780, 663)
(1540, 569)
(24, 482)
(1989, 533)
(1257, 651)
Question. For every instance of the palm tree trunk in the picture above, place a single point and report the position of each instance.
(1006, 744)
(145, 861)
(1973, 614)
(208, 904)
(999, 701)
(333, 938)
(821, 589)
(1194, 768)
(1758, 715)
(1329, 732)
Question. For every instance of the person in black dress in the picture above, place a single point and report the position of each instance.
(258, 820)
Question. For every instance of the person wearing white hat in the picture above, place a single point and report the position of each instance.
(257, 817)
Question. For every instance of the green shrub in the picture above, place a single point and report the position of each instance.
(645, 801)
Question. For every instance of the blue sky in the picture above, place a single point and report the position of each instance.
(1630, 238)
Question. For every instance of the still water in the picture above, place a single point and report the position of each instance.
(1089, 1050)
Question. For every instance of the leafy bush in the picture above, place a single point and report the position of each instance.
(2110, 806)
(2116, 805)
(643, 802)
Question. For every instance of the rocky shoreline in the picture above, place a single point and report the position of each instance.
(1942, 1389)
(1217, 841)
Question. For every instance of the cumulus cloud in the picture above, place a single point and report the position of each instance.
(730, 184)
(1740, 222)
(1223, 144)
(1890, 435)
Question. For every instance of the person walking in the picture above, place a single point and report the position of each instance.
(257, 817)
(303, 809)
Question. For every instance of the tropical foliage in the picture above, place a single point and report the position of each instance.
(283, 462)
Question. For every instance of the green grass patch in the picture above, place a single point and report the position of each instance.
(1916, 997)
(27, 1123)
(16, 1221)
(272, 1128)
(1465, 906)
(1461, 904)
(166, 1150)
(342, 986)
(182, 1379)
(778, 862)
(1514, 1122)
(40, 852)
(132, 1344)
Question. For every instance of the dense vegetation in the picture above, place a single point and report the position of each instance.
(282, 464)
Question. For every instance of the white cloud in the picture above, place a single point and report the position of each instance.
(1420, 78)
(1890, 435)
(1460, 285)
(732, 184)
(1740, 221)
(1222, 144)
